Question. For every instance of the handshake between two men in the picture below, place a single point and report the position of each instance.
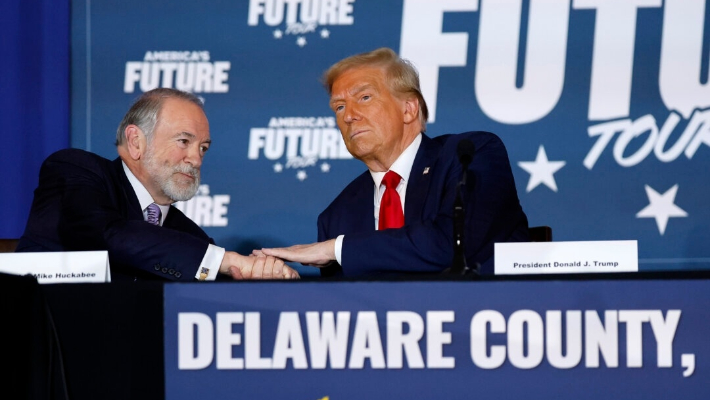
(87, 202)
(269, 263)
(256, 266)
(321, 254)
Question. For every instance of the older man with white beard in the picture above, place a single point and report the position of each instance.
(86, 202)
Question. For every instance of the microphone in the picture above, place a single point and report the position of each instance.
(465, 151)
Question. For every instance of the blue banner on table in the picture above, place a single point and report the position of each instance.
(433, 340)
(603, 105)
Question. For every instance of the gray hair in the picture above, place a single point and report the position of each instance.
(144, 112)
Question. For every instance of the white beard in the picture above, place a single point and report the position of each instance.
(165, 177)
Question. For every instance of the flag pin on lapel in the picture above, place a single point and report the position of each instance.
(426, 171)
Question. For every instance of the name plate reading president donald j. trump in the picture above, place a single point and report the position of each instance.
(566, 257)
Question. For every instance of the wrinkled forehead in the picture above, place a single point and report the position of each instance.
(355, 80)
(182, 115)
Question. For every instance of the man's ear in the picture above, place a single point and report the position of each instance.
(135, 141)
(411, 109)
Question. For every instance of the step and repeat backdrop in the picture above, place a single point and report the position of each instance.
(604, 106)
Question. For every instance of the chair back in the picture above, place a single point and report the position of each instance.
(8, 245)
(540, 233)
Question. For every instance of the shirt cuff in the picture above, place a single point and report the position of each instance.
(339, 249)
(210, 263)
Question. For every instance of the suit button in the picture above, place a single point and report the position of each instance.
(171, 271)
(164, 270)
(178, 275)
(156, 267)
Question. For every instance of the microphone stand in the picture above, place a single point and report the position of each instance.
(459, 265)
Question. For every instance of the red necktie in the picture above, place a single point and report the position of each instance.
(391, 215)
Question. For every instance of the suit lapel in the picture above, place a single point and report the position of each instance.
(420, 179)
(175, 219)
(134, 210)
(362, 215)
(170, 221)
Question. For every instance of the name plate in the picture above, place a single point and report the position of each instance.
(59, 267)
(566, 257)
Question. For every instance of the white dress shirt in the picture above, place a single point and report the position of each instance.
(402, 166)
(214, 255)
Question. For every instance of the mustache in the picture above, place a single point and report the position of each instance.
(188, 170)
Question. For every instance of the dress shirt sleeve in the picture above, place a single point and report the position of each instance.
(210, 263)
(339, 248)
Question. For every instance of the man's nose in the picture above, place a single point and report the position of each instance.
(351, 114)
(194, 156)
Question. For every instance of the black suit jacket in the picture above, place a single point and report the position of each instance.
(425, 243)
(85, 202)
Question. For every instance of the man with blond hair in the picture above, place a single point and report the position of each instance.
(397, 217)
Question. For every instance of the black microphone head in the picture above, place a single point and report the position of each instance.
(465, 150)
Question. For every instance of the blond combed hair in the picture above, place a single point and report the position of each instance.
(402, 76)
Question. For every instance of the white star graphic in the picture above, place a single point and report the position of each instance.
(325, 167)
(278, 34)
(301, 175)
(541, 170)
(324, 33)
(301, 41)
(661, 207)
(278, 167)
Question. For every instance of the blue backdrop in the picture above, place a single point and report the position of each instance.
(34, 105)
(603, 105)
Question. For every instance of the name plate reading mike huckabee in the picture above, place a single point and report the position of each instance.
(566, 257)
(59, 267)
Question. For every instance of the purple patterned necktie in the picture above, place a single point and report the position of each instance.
(153, 214)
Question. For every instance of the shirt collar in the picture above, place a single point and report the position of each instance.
(403, 164)
(144, 197)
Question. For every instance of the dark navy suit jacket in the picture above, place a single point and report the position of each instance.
(425, 243)
(85, 202)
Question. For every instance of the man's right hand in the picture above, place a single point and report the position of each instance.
(318, 254)
(241, 267)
